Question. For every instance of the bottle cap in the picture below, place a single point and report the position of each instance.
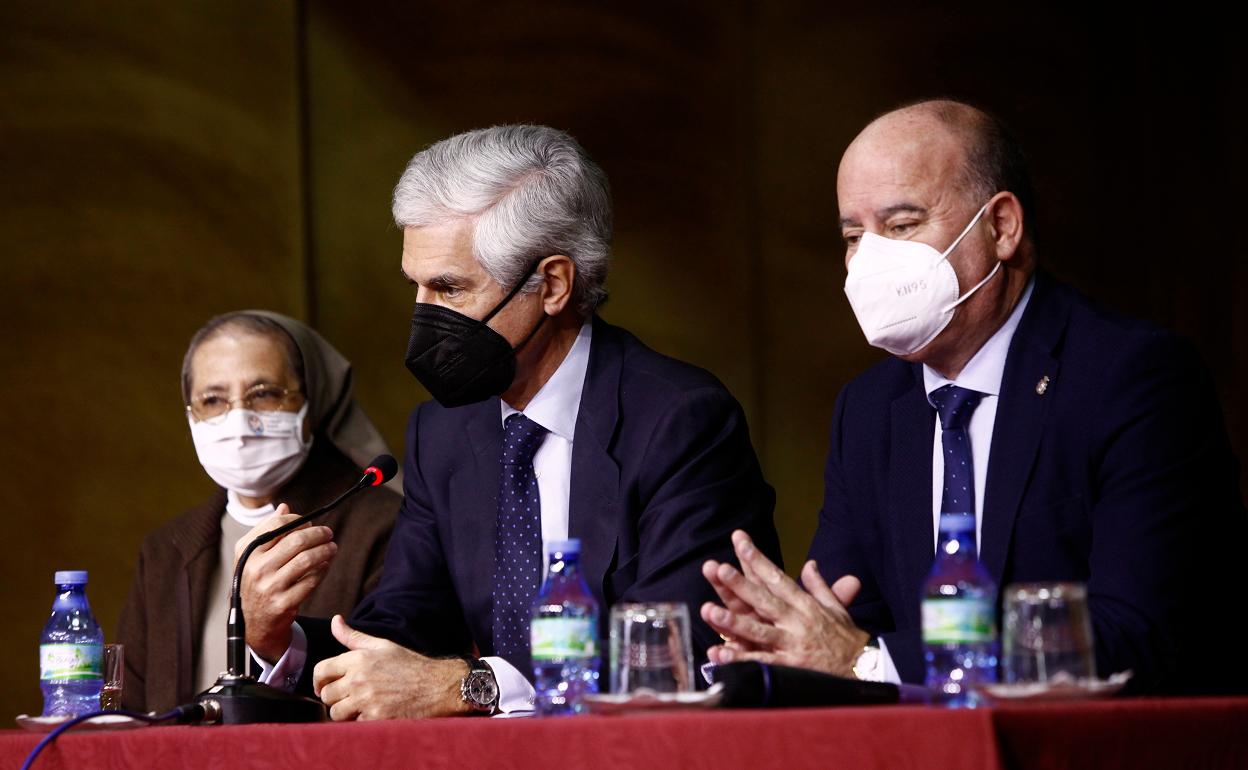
(569, 546)
(70, 577)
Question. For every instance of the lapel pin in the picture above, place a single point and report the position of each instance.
(1042, 385)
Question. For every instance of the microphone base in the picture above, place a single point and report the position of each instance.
(241, 700)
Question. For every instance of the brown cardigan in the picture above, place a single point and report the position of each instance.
(167, 603)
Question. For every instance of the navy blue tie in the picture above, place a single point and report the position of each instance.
(955, 405)
(518, 541)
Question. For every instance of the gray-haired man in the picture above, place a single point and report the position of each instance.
(645, 459)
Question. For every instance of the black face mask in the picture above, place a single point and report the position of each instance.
(461, 360)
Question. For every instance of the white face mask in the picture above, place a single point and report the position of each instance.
(252, 453)
(904, 292)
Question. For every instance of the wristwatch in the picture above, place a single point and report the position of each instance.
(869, 666)
(479, 688)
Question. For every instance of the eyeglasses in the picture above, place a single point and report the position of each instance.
(213, 407)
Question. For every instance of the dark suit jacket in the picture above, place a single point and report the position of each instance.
(1119, 474)
(163, 617)
(662, 472)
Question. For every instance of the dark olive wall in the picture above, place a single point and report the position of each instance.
(163, 162)
(149, 178)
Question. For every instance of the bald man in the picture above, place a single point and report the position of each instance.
(1097, 451)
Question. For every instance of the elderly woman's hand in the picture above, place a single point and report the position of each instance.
(278, 577)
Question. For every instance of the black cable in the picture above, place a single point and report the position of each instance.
(190, 712)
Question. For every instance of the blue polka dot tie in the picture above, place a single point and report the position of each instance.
(955, 405)
(518, 542)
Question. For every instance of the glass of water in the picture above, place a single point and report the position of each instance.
(650, 648)
(1047, 633)
(114, 677)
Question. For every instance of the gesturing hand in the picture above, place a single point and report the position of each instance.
(278, 577)
(767, 617)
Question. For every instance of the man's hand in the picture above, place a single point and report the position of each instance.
(378, 679)
(768, 618)
(278, 577)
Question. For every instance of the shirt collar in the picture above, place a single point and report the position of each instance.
(557, 404)
(984, 371)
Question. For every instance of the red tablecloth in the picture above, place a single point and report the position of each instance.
(1195, 733)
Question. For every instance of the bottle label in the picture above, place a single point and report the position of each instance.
(560, 638)
(71, 661)
(958, 621)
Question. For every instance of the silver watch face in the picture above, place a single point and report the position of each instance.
(868, 664)
(481, 689)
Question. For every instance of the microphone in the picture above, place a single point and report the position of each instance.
(379, 471)
(383, 468)
(238, 697)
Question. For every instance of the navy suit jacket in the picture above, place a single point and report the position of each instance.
(1119, 474)
(662, 472)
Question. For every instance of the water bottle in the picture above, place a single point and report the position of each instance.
(959, 617)
(564, 635)
(71, 651)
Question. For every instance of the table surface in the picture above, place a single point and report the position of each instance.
(1145, 732)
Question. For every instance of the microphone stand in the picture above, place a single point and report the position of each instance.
(236, 696)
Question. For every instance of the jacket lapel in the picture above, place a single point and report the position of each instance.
(196, 543)
(593, 505)
(912, 423)
(1020, 420)
(474, 514)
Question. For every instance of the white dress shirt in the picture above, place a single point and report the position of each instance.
(982, 373)
(555, 408)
